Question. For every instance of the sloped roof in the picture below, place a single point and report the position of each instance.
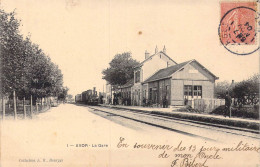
(166, 72)
(140, 64)
(129, 83)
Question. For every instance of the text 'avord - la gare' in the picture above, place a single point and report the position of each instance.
(87, 145)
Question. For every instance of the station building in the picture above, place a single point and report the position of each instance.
(159, 77)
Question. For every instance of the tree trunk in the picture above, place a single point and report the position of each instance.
(24, 108)
(15, 112)
(3, 101)
(31, 109)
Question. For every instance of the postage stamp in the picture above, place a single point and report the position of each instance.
(238, 27)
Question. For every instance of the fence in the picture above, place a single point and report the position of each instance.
(22, 108)
(206, 105)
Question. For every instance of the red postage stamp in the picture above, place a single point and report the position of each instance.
(238, 23)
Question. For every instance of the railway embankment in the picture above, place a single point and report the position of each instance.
(248, 125)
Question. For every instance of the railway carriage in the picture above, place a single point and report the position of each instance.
(88, 97)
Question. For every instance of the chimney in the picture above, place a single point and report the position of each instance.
(156, 49)
(164, 49)
(232, 84)
(94, 90)
(147, 55)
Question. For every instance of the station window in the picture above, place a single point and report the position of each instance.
(197, 91)
(194, 91)
(187, 90)
(137, 76)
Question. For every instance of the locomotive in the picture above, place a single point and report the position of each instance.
(88, 97)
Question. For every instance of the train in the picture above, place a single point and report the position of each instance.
(89, 97)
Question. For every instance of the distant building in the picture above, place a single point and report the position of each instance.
(125, 91)
(108, 93)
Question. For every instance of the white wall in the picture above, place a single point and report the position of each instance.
(192, 74)
(193, 71)
(156, 63)
(150, 67)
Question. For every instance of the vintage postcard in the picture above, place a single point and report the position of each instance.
(129, 83)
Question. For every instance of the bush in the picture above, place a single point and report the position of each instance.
(188, 109)
(244, 112)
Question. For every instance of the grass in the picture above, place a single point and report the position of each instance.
(213, 120)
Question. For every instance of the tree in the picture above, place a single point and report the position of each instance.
(247, 91)
(24, 67)
(221, 88)
(69, 96)
(63, 94)
(11, 48)
(121, 69)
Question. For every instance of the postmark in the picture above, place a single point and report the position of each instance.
(238, 27)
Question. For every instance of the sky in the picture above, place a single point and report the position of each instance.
(82, 36)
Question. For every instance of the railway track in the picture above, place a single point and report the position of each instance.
(183, 126)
